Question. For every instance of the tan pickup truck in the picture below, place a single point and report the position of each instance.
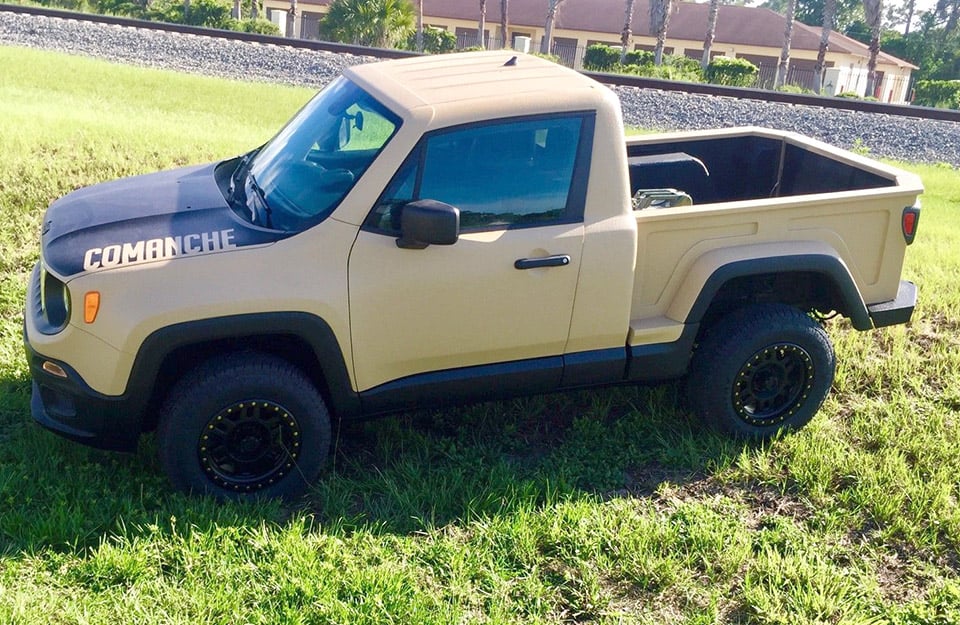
(445, 229)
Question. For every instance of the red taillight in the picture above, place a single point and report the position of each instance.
(908, 223)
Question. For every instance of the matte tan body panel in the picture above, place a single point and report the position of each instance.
(443, 307)
(415, 311)
(102, 366)
(306, 273)
(601, 310)
(680, 247)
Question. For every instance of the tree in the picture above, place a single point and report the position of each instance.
(784, 66)
(810, 12)
(482, 25)
(930, 47)
(627, 33)
(829, 10)
(872, 10)
(948, 10)
(292, 15)
(547, 42)
(711, 32)
(419, 25)
(504, 23)
(911, 5)
(659, 22)
(378, 23)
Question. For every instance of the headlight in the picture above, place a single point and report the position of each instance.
(53, 302)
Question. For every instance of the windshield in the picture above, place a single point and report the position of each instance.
(300, 176)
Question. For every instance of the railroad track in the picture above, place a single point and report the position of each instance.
(610, 79)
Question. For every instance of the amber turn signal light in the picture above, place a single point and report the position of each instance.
(91, 306)
(54, 369)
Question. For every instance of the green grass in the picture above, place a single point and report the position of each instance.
(609, 506)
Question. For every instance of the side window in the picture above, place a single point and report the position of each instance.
(508, 174)
(385, 216)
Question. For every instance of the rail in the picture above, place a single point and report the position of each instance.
(848, 104)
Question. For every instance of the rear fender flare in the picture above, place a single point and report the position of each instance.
(830, 266)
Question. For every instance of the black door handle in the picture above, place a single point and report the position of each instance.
(547, 261)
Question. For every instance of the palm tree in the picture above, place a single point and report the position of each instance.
(659, 21)
(911, 7)
(627, 32)
(419, 25)
(378, 23)
(784, 66)
(872, 11)
(711, 32)
(829, 14)
(482, 25)
(292, 19)
(504, 23)
(547, 41)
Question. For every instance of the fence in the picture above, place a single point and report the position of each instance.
(803, 78)
(570, 54)
(888, 88)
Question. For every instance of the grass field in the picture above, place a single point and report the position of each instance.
(610, 506)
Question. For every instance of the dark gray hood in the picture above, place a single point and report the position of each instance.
(154, 217)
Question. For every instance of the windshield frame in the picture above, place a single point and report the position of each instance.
(290, 167)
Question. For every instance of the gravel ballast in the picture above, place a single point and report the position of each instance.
(902, 138)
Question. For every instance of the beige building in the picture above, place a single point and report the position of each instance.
(755, 34)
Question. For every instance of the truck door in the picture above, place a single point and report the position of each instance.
(520, 186)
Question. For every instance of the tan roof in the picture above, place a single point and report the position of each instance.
(488, 76)
(741, 25)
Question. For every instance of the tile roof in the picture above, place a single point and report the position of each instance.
(741, 25)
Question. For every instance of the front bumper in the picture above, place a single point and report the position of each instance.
(70, 408)
(67, 404)
(895, 311)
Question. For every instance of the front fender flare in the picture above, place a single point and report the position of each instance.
(311, 329)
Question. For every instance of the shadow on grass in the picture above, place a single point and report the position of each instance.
(434, 468)
(395, 475)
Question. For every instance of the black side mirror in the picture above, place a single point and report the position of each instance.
(428, 222)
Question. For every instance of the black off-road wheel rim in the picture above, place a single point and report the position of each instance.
(773, 384)
(249, 445)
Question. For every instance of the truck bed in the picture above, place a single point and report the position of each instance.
(758, 193)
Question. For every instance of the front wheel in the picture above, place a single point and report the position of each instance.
(760, 370)
(242, 426)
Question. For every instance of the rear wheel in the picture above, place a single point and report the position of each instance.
(760, 370)
(242, 426)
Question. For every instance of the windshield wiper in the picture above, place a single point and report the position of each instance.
(261, 198)
(236, 178)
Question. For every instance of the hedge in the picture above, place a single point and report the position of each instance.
(938, 93)
(731, 72)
